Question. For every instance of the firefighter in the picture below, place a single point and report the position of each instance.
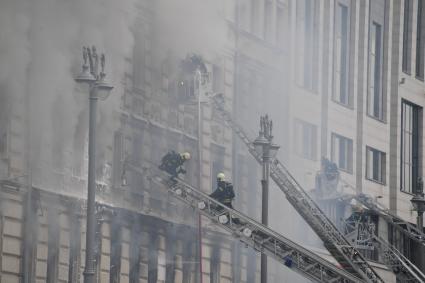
(172, 163)
(224, 192)
(327, 179)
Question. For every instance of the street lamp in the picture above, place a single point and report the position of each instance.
(418, 202)
(98, 89)
(263, 144)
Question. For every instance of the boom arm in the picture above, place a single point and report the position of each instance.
(349, 258)
(257, 236)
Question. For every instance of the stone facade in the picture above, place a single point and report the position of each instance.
(307, 63)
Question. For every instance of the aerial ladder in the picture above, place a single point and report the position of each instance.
(349, 258)
(256, 235)
(404, 227)
(407, 229)
(406, 271)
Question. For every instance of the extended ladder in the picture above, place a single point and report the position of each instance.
(257, 236)
(349, 258)
(405, 270)
(393, 258)
(404, 227)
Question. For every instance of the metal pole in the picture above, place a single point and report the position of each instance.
(198, 76)
(420, 220)
(89, 272)
(265, 205)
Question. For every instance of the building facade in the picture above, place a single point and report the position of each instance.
(341, 79)
(338, 79)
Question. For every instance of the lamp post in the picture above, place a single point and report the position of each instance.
(98, 89)
(263, 144)
(418, 202)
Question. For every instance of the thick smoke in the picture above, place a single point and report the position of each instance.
(40, 49)
(189, 26)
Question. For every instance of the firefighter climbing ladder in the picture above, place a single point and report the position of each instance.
(349, 258)
(257, 236)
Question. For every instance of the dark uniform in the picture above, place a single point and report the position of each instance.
(224, 193)
(327, 179)
(172, 164)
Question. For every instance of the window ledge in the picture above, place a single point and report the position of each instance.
(350, 107)
(306, 157)
(375, 181)
(345, 170)
(420, 79)
(307, 89)
(407, 193)
(383, 121)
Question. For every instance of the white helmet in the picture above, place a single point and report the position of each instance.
(185, 155)
(221, 176)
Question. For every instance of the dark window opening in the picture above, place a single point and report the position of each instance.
(375, 165)
(375, 97)
(342, 152)
(411, 116)
(420, 42)
(407, 36)
(341, 65)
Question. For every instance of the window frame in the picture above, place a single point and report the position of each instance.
(383, 159)
(415, 168)
(350, 155)
(300, 128)
(337, 72)
(377, 90)
(307, 30)
(406, 65)
(420, 43)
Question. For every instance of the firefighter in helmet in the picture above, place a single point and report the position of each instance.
(172, 163)
(224, 192)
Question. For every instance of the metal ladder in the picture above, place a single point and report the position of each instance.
(404, 227)
(255, 235)
(405, 270)
(349, 258)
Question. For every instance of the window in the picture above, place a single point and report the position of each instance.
(407, 36)
(305, 139)
(243, 16)
(375, 165)
(74, 246)
(342, 152)
(254, 17)
(411, 115)
(215, 264)
(308, 41)
(115, 248)
(268, 10)
(375, 98)
(281, 26)
(118, 159)
(420, 42)
(53, 246)
(153, 258)
(340, 93)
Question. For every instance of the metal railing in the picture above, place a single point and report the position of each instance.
(257, 236)
(349, 258)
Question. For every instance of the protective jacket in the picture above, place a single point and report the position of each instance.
(224, 193)
(172, 164)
